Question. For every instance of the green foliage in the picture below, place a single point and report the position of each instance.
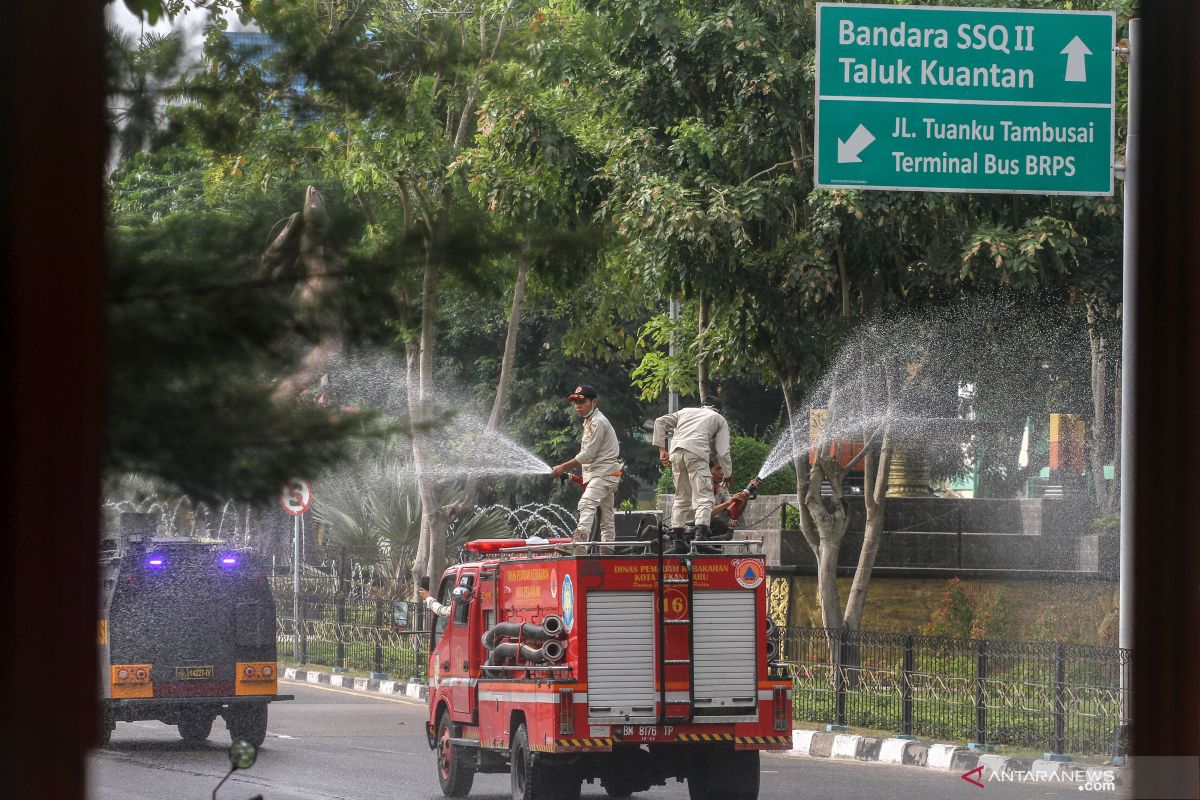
(969, 613)
(194, 339)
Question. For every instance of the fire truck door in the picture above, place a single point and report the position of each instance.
(464, 624)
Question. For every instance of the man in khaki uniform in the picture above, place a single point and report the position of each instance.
(697, 436)
(599, 456)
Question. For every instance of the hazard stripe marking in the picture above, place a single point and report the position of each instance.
(585, 742)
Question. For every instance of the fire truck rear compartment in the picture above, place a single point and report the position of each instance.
(620, 652)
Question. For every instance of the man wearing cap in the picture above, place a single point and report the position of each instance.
(599, 456)
(697, 436)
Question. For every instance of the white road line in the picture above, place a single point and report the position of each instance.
(377, 750)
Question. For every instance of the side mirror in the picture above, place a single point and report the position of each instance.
(461, 594)
(242, 755)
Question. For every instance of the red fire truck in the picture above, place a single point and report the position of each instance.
(560, 663)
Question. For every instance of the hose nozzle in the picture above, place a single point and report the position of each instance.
(751, 489)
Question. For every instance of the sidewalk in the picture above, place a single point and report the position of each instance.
(974, 767)
(415, 691)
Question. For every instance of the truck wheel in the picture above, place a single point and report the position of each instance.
(194, 728)
(454, 775)
(731, 775)
(616, 788)
(533, 778)
(108, 721)
(248, 722)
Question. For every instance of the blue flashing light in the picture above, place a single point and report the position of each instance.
(228, 561)
(156, 561)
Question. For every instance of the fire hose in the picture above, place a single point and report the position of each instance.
(737, 503)
(551, 650)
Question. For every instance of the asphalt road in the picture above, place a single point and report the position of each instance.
(332, 744)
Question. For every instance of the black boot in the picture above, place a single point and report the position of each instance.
(679, 544)
(703, 533)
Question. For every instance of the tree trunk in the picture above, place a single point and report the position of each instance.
(1114, 497)
(1100, 437)
(510, 339)
(830, 517)
(471, 489)
(822, 522)
(875, 487)
(808, 527)
(302, 250)
(421, 560)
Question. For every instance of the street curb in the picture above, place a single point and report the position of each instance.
(414, 691)
(943, 757)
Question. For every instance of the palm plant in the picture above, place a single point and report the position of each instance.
(375, 514)
(142, 75)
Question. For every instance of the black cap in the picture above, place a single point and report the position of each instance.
(712, 400)
(583, 392)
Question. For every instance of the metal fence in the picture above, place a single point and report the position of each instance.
(363, 635)
(1064, 698)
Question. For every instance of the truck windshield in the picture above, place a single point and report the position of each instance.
(188, 608)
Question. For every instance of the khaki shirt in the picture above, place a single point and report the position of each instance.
(701, 431)
(600, 453)
(722, 495)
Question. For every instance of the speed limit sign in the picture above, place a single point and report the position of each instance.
(296, 497)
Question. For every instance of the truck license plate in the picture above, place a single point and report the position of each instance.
(193, 673)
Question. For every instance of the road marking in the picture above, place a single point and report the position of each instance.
(368, 695)
(377, 750)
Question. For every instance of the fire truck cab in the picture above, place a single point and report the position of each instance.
(559, 664)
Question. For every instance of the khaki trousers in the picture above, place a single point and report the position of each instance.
(598, 499)
(693, 489)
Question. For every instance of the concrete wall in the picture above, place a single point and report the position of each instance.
(924, 533)
(1082, 611)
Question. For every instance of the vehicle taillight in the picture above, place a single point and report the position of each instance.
(566, 711)
(781, 703)
(130, 673)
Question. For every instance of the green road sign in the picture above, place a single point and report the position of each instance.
(923, 98)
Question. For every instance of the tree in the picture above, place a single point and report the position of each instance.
(143, 76)
(709, 181)
(194, 333)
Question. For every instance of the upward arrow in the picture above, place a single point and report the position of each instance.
(1076, 66)
(848, 150)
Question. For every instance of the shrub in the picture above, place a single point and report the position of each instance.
(969, 613)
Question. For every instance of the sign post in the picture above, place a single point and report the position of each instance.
(296, 498)
(921, 98)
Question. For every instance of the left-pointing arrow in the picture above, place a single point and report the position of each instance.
(849, 150)
(1076, 65)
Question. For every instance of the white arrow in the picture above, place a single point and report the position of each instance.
(1076, 66)
(848, 150)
